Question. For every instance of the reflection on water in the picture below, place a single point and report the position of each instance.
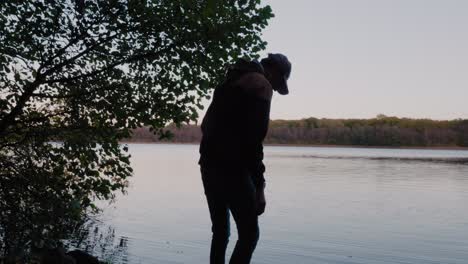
(99, 239)
(324, 205)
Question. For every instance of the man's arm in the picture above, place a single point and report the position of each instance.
(258, 100)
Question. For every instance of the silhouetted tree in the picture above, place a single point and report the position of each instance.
(77, 76)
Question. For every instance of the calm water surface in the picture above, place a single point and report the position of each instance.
(324, 205)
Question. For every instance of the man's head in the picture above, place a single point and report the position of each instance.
(277, 70)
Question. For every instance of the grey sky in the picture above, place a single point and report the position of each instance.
(359, 58)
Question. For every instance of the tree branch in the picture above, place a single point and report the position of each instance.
(31, 87)
(112, 65)
(18, 109)
(77, 56)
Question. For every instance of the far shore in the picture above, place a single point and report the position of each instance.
(315, 145)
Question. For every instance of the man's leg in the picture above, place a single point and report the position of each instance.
(243, 208)
(219, 214)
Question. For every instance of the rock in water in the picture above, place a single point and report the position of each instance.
(82, 257)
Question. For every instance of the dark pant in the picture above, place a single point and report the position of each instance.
(228, 190)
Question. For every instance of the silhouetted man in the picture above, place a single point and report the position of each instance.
(231, 151)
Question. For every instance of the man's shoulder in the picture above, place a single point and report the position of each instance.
(256, 84)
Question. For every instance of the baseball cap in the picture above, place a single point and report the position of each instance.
(282, 64)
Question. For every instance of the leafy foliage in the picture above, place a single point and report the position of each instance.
(76, 76)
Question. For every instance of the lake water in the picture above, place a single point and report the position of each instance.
(324, 205)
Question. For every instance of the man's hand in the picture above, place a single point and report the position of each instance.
(261, 202)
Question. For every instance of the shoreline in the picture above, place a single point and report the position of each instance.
(315, 145)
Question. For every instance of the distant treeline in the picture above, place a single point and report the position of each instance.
(379, 131)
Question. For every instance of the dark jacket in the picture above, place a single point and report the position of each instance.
(237, 121)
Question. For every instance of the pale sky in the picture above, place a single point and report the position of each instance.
(360, 58)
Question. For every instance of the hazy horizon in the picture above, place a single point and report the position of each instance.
(358, 59)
